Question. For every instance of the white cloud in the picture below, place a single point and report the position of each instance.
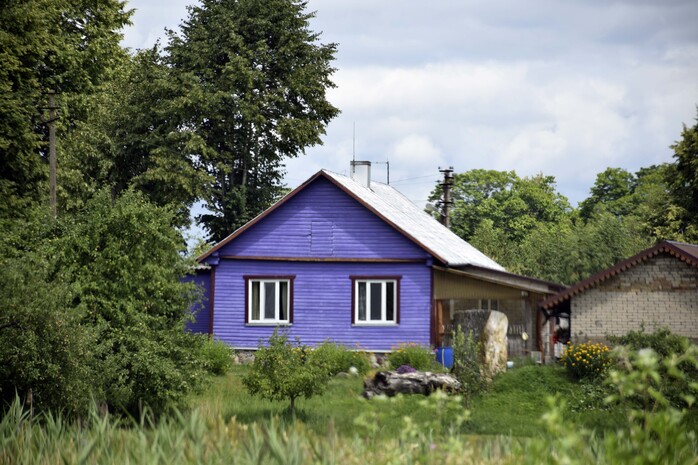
(566, 88)
(416, 150)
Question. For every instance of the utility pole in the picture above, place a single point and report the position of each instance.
(52, 117)
(446, 200)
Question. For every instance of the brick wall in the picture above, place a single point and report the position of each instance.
(661, 291)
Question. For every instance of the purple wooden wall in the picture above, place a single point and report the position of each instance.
(202, 311)
(322, 303)
(323, 222)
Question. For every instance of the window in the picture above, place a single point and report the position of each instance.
(489, 304)
(375, 300)
(269, 299)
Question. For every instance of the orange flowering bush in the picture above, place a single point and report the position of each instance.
(586, 360)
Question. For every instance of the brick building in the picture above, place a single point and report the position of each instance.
(657, 287)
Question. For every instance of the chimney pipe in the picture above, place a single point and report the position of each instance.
(361, 172)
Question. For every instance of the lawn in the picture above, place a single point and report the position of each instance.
(512, 406)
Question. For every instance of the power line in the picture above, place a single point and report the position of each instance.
(417, 177)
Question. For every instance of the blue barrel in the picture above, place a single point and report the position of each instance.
(444, 355)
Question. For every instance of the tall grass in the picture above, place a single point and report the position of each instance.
(193, 439)
(227, 426)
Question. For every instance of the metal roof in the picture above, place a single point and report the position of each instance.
(399, 212)
(412, 221)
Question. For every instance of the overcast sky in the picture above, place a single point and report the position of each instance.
(566, 88)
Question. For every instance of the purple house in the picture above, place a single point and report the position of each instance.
(353, 261)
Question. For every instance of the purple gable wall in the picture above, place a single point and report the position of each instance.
(201, 309)
(322, 221)
(322, 303)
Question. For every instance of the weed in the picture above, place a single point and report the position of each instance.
(418, 356)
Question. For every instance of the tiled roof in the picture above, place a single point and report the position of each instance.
(412, 221)
(399, 212)
(687, 253)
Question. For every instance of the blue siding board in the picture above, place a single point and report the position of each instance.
(322, 303)
(344, 223)
(200, 309)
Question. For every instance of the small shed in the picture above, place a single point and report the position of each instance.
(658, 287)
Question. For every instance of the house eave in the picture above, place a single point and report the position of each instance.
(504, 278)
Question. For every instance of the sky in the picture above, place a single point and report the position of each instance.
(560, 87)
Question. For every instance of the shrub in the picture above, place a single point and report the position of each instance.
(586, 360)
(286, 370)
(467, 362)
(338, 358)
(662, 341)
(45, 352)
(123, 261)
(216, 355)
(655, 432)
(417, 356)
(665, 345)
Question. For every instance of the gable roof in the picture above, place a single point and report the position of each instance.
(687, 253)
(397, 211)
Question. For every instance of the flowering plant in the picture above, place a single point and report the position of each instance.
(586, 360)
(402, 369)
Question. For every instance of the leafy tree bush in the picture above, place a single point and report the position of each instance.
(467, 362)
(667, 346)
(46, 354)
(662, 341)
(417, 356)
(217, 356)
(65, 45)
(655, 433)
(91, 306)
(285, 370)
(586, 360)
(123, 261)
(338, 358)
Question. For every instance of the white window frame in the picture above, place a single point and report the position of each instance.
(262, 301)
(384, 307)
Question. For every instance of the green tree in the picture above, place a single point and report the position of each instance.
(612, 190)
(123, 261)
(570, 252)
(62, 45)
(255, 98)
(132, 138)
(46, 353)
(550, 252)
(684, 180)
(474, 195)
(284, 369)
